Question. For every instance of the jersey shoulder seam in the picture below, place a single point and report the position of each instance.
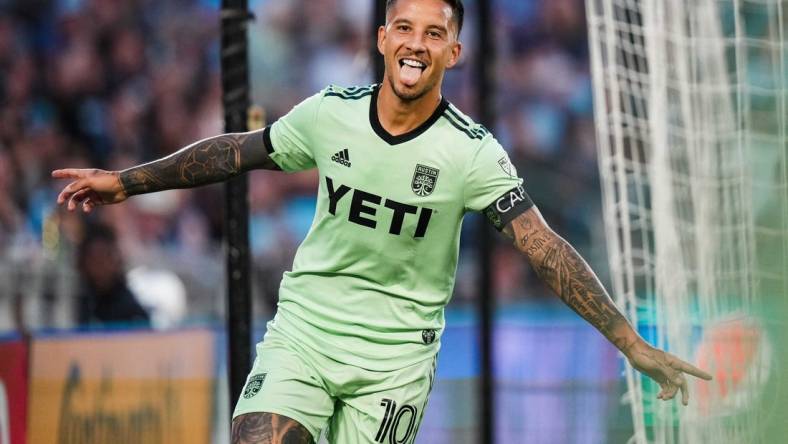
(349, 93)
(464, 124)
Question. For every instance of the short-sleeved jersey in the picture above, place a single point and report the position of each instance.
(371, 279)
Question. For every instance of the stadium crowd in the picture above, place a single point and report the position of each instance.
(112, 83)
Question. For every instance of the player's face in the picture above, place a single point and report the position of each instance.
(418, 43)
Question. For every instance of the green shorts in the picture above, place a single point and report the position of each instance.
(356, 405)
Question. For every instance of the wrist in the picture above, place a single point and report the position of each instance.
(626, 339)
(121, 187)
(132, 182)
(634, 346)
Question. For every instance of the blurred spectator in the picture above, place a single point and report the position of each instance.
(161, 292)
(111, 84)
(105, 297)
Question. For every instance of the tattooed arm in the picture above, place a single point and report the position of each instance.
(210, 160)
(563, 270)
(268, 428)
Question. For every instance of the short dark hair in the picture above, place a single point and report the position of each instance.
(458, 11)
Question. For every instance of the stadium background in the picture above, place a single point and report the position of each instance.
(110, 83)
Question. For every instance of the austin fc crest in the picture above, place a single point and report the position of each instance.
(428, 336)
(254, 385)
(424, 180)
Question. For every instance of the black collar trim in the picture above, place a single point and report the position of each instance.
(410, 135)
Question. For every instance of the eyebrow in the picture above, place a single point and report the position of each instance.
(408, 22)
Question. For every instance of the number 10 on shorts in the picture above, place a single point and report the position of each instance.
(393, 419)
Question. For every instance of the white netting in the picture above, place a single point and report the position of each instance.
(690, 104)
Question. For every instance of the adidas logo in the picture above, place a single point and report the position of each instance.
(342, 157)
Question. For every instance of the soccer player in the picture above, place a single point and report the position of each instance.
(354, 341)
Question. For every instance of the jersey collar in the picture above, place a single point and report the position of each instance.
(410, 135)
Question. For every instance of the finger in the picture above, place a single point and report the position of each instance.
(69, 189)
(692, 370)
(67, 173)
(670, 392)
(662, 392)
(684, 391)
(65, 193)
(87, 205)
(70, 205)
(94, 199)
(76, 198)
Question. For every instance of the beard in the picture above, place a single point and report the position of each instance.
(410, 96)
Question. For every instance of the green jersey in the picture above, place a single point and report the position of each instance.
(372, 277)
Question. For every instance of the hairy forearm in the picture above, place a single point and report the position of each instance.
(210, 160)
(564, 270)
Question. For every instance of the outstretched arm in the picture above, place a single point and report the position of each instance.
(562, 268)
(210, 160)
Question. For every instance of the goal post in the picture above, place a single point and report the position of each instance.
(235, 100)
(690, 108)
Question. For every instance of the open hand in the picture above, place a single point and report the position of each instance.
(89, 187)
(667, 370)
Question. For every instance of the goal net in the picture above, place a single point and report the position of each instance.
(690, 107)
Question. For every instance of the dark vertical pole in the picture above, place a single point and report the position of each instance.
(485, 93)
(378, 19)
(235, 98)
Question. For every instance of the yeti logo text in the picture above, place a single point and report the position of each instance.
(508, 200)
(364, 208)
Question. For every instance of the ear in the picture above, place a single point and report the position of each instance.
(456, 51)
(381, 38)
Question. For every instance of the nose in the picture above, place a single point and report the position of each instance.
(416, 43)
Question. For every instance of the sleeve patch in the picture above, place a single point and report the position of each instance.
(507, 207)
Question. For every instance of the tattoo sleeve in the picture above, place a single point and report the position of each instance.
(268, 428)
(210, 160)
(563, 270)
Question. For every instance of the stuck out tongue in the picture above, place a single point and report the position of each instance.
(409, 75)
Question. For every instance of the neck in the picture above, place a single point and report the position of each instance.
(398, 116)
